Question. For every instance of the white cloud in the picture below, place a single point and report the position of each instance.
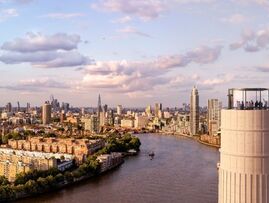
(44, 51)
(235, 19)
(132, 30)
(140, 76)
(34, 42)
(258, 2)
(8, 13)
(252, 41)
(36, 85)
(221, 79)
(125, 19)
(144, 9)
(63, 15)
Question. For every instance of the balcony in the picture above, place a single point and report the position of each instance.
(248, 98)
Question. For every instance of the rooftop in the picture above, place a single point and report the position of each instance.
(248, 98)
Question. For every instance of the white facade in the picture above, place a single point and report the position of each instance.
(127, 123)
(119, 110)
(194, 110)
(244, 156)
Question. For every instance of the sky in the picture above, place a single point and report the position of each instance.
(134, 53)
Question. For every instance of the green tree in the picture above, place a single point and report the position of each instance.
(4, 180)
(31, 187)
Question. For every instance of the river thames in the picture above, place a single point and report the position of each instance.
(182, 170)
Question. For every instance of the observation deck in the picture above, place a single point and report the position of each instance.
(248, 98)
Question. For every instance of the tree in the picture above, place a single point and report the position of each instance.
(68, 176)
(31, 187)
(4, 180)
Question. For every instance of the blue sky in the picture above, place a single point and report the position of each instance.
(133, 53)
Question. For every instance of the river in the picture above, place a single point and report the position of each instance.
(182, 170)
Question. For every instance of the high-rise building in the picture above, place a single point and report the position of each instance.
(46, 113)
(119, 110)
(158, 108)
(194, 112)
(99, 106)
(110, 117)
(99, 110)
(105, 108)
(65, 106)
(244, 154)
(55, 105)
(148, 110)
(28, 107)
(9, 107)
(213, 115)
(18, 107)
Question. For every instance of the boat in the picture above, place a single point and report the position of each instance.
(151, 154)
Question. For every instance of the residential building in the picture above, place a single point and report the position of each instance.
(46, 113)
(214, 116)
(194, 112)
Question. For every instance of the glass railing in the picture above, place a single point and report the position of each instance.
(248, 98)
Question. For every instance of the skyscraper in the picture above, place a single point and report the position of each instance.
(46, 113)
(99, 106)
(244, 154)
(119, 110)
(158, 108)
(194, 108)
(9, 107)
(214, 115)
(148, 110)
(28, 107)
(99, 110)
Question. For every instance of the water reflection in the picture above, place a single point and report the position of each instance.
(182, 171)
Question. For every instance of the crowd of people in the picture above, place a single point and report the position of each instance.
(251, 105)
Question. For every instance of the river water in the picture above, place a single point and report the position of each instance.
(182, 170)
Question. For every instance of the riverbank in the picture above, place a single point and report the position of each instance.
(36, 182)
(208, 144)
(166, 178)
(64, 184)
(197, 138)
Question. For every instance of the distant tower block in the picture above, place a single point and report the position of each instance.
(244, 153)
(46, 113)
(194, 111)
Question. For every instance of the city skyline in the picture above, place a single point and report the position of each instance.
(133, 53)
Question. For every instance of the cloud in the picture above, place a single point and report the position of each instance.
(219, 80)
(144, 9)
(125, 19)
(140, 76)
(44, 51)
(252, 41)
(8, 13)
(34, 85)
(34, 42)
(235, 19)
(63, 15)
(132, 30)
(264, 69)
(263, 3)
(51, 59)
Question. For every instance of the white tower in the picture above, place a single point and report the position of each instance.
(119, 110)
(194, 117)
(244, 154)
